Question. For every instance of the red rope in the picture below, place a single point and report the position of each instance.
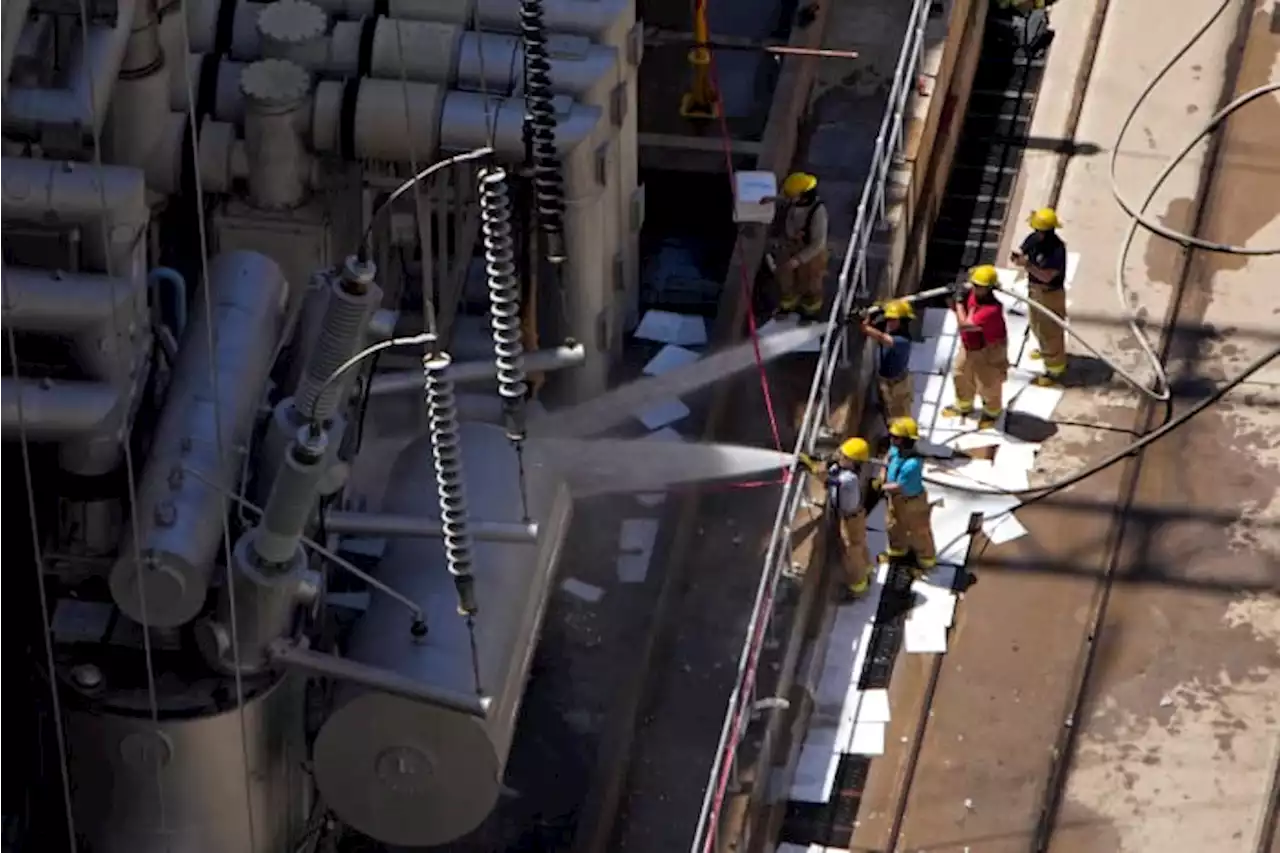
(747, 290)
(739, 713)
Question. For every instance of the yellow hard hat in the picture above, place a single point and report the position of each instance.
(798, 183)
(984, 276)
(1044, 219)
(899, 309)
(904, 428)
(856, 449)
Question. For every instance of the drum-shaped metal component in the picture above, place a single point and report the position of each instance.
(190, 782)
(411, 774)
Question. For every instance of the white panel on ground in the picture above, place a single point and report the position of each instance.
(924, 637)
(1037, 402)
(874, 707)
(667, 327)
(846, 655)
(1002, 529)
(588, 592)
(636, 541)
(868, 739)
(670, 357)
(662, 414)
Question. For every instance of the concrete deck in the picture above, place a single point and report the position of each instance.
(1176, 740)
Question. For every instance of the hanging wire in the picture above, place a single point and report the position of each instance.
(193, 128)
(46, 620)
(429, 290)
(126, 433)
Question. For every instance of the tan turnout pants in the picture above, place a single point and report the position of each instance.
(1048, 334)
(802, 289)
(909, 528)
(982, 373)
(854, 556)
(897, 395)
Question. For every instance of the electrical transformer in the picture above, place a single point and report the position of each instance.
(219, 218)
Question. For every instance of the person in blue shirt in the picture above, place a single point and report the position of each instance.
(894, 379)
(908, 521)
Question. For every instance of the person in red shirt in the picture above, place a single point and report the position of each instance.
(982, 363)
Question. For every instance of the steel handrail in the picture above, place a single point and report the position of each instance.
(851, 286)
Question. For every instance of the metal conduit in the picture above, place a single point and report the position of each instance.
(542, 361)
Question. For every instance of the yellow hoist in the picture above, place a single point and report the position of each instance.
(702, 100)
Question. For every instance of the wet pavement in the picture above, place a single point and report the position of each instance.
(1175, 741)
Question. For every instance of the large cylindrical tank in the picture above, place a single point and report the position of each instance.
(180, 514)
(410, 774)
(189, 783)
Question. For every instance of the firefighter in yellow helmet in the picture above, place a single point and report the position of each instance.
(1043, 257)
(982, 361)
(801, 254)
(908, 520)
(844, 498)
(890, 332)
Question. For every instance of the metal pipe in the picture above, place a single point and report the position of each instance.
(439, 119)
(210, 409)
(82, 105)
(97, 313)
(382, 680)
(52, 193)
(15, 20)
(177, 290)
(419, 527)
(542, 361)
(54, 410)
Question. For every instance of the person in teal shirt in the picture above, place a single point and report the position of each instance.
(908, 521)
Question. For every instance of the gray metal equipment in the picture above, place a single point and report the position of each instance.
(408, 773)
(181, 515)
(208, 778)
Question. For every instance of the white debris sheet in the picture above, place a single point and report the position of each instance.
(848, 720)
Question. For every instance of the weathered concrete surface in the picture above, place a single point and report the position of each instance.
(1180, 731)
(1179, 724)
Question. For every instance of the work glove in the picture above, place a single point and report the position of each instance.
(877, 484)
(813, 466)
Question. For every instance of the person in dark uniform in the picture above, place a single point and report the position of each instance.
(896, 388)
(1043, 257)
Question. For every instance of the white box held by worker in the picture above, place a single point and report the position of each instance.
(753, 194)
